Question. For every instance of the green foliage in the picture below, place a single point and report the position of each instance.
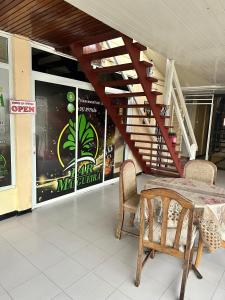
(86, 137)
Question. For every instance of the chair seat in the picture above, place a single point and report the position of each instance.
(132, 202)
(171, 232)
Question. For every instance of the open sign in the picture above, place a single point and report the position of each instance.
(22, 107)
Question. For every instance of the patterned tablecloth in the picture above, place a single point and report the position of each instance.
(209, 203)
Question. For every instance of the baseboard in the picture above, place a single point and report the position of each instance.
(15, 213)
(23, 212)
(8, 215)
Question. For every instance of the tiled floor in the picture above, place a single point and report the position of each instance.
(67, 250)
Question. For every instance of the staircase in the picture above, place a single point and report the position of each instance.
(149, 141)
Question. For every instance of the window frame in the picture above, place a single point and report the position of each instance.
(9, 66)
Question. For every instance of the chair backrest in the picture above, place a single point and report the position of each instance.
(128, 180)
(183, 214)
(201, 170)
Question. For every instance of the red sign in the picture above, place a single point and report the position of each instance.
(22, 107)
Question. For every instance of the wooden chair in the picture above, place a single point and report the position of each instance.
(176, 240)
(205, 171)
(201, 170)
(128, 197)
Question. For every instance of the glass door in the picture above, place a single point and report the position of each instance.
(55, 140)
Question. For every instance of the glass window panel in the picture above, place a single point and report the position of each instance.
(3, 49)
(5, 147)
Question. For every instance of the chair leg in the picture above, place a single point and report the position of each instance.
(152, 255)
(191, 259)
(139, 264)
(184, 279)
(199, 252)
(120, 226)
(132, 216)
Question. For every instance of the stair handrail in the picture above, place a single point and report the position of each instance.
(173, 92)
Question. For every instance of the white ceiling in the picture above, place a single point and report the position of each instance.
(190, 31)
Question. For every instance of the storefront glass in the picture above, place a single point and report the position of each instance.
(91, 127)
(5, 145)
(55, 140)
(3, 50)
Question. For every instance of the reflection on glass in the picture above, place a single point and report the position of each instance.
(3, 50)
(55, 140)
(5, 151)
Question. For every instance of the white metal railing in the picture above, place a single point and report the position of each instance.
(173, 94)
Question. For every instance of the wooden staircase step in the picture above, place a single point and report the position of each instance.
(163, 173)
(126, 95)
(159, 162)
(163, 168)
(142, 133)
(152, 142)
(156, 155)
(135, 94)
(123, 82)
(155, 149)
(141, 117)
(132, 105)
(145, 125)
(118, 68)
(114, 69)
(121, 50)
(139, 46)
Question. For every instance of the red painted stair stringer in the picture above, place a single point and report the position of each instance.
(141, 72)
(77, 51)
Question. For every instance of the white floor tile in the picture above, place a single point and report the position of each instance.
(217, 257)
(64, 240)
(69, 239)
(110, 244)
(16, 273)
(2, 291)
(18, 233)
(38, 288)
(128, 255)
(93, 232)
(149, 289)
(65, 273)
(117, 295)
(199, 288)
(210, 271)
(62, 296)
(5, 297)
(219, 294)
(46, 257)
(30, 245)
(90, 287)
(173, 291)
(161, 270)
(9, 224)
(8, 255)
(222, 281)
(114, 272)
(90, 256)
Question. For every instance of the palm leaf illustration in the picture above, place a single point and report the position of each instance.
(86, 137)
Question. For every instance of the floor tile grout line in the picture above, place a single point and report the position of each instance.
(217, 285)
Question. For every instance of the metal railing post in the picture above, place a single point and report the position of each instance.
(168, 81)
